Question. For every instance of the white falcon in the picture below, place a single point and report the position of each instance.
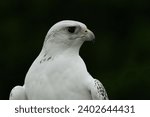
(59, 73)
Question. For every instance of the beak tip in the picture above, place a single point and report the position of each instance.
(91, 36)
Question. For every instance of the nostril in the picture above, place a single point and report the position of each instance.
(85, 30)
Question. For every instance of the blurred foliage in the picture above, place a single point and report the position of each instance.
(120, 57)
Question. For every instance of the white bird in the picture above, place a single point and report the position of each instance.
(59, 73)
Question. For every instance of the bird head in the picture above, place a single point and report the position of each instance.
(68, 34)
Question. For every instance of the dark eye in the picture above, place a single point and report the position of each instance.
(71, 29)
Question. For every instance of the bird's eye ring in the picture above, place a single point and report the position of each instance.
(71, 29)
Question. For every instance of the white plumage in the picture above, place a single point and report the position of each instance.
(59, 72)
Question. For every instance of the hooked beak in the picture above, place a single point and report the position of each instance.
(89, 35)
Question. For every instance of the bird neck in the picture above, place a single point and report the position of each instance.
(57, 49)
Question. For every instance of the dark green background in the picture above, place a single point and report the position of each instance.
(120, 57)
